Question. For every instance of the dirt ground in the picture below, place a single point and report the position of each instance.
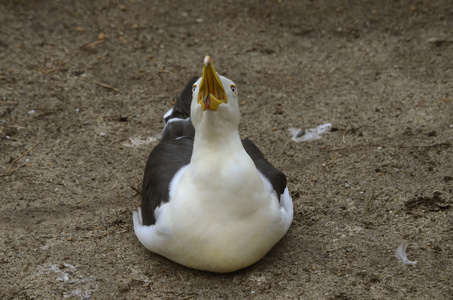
(84, 86)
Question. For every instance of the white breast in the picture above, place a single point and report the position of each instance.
(220, 223)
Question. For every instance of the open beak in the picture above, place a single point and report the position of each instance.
(211, 93)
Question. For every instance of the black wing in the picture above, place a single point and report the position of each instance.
(164, 161)
(275, 176)
(171, 154)
(181, 126)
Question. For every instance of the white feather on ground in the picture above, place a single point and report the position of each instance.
(300, 135)
(401, 255)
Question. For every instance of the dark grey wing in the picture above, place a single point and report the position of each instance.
(167, 158)
(275, 176)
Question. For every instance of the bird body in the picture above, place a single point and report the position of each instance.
(211, 202)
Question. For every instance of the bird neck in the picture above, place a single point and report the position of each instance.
(216, 138)
(221, 144)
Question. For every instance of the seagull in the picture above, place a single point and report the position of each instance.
(210, 201)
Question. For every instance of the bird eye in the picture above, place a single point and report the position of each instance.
(194, 87)
(233, 88)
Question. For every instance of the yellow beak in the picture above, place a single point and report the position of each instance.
(211, 93)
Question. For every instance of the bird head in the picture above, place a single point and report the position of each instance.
(214, 95)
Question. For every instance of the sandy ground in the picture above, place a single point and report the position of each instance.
(84, 85)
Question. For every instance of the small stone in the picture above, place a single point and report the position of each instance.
(300, 133)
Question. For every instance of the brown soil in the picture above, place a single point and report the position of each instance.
(79, 79)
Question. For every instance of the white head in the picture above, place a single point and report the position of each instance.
(214, 105)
